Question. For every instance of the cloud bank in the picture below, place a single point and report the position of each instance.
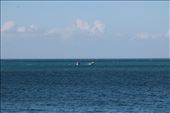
(79, 28)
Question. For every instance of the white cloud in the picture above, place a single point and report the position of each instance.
(79, 27)
(21, 29)
(82, 25)
(25, 29)
(7, 26)
(32, 28)
(60, 32)
(13, 28)
(142, 35)
(96, 27)
(149, 35)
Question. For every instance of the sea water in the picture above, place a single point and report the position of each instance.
(109, 86)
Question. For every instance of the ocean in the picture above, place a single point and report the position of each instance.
(108, 86)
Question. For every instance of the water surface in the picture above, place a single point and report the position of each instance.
(109, 86)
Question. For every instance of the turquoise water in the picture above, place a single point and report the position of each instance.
(109, 86)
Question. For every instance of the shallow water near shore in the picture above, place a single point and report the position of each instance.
(109, 86)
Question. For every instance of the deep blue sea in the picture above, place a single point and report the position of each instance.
(109, 86)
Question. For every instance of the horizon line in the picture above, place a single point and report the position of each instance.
(77, 58)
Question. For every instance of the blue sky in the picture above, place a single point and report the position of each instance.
(85, 29)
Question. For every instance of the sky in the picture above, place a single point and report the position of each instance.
(70, 29)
